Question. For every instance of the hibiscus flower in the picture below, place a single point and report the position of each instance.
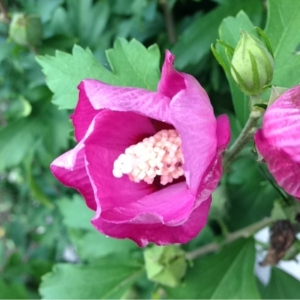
(146, 162)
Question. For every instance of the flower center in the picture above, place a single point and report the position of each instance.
(158, 155)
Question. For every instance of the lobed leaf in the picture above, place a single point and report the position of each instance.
(107, 278)
(131, 63)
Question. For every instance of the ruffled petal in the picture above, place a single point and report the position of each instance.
(170, 206)
(192, 116)
(171, 81)
(285, 171)
(281, 123)
(83, 116)
(159, 234)
(104, 96)
(70, 170)
(213, 173)
(113, 133)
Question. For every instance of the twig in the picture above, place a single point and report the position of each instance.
(169, 20)
(242, 233)
(245, 136)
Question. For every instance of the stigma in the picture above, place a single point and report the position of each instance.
(158, 155)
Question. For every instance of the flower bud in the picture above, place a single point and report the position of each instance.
(26, 30)
(252, 65)
(165, 265)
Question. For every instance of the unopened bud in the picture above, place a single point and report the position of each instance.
(26, 30)
(252, 65)
(165, 265)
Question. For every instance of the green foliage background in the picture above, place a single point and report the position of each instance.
(48, 248)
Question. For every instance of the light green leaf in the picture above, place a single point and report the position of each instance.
(281, 286)
(90, 244)
(132, 65)
(107, 278)
(75, 213)
(282, 29)
(194, 43)
(224, 275)
(42, 8)
(94, 244)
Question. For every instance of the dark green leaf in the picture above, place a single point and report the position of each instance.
(44, 124)
(250, 194)
(281, 286)
(224, 275)
(15, 142)
(12, 291)
(194, 43)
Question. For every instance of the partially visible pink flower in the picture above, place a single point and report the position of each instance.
(278, 141)
(108, 120)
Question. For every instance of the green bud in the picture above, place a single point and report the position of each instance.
(26, 30)
(252, 65)
(165, 265)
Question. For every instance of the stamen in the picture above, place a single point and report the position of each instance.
(158, 155)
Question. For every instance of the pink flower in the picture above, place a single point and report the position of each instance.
(278, 142)
(108, 120)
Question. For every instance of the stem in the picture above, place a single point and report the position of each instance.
(245, 136)
(242, 233)
(4, 10)
(169, 20)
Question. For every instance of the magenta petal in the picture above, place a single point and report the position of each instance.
(192, 116)
(171, 82)
(285, 171)
(70, 170)
(281, 123)
(170, 206)
(83, 115)
(223, 132)
(113, 133)
(104, 96)
(159, 234)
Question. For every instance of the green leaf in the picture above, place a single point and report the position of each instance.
(75, 213)
(44, 124)
(87, 20)
(250, 194)
(282, 29)
(107, 278)
(12, 291)
(132, 65)
(94, 244)
(281, 286)
(224, 275)
(194, 43)
(91, 244)
(229, 32)
(42, 8)
(19, 133)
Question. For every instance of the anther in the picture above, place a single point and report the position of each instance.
(158, 155)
